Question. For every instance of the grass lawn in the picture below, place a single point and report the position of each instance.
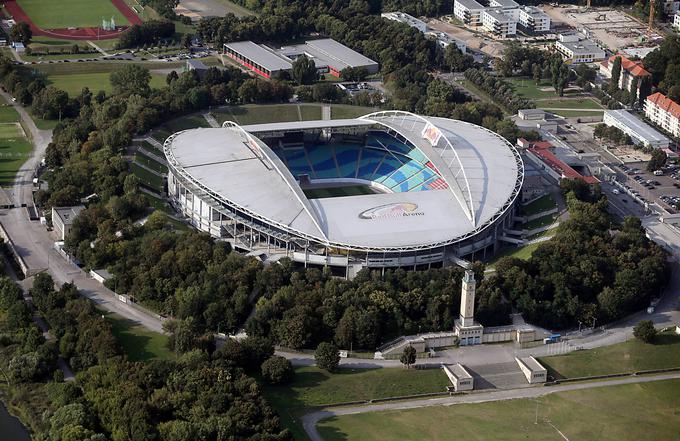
(617, 413)
(543, 203)
(340, 111)
(186, 122)
(527, 88)
(235, 9)
(14, 149)
(152, 164)
(575, 103)
(630, 356)
(148, 147)
(316, 387)
(45, 124)
(577, 113)
(153, 181)
(258, 114)
(540, 222)
(74, 83)
(139, 343)
(522, 252)
(71, 13)
(7, 113)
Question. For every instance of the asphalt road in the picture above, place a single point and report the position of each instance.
(310, 420)
(35, 244)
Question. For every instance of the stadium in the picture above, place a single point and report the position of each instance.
(388, 189)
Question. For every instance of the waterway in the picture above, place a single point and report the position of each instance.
(11, 428)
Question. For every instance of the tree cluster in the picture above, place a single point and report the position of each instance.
(152, 31)
(664, 65)
(501, 90)
(612, 134)
(591, 271)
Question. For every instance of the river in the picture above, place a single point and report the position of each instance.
(11, 428)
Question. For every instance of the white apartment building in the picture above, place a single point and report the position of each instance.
(676, 21)
(532, 19)
(443, 39)
(498, 23)
(639, 131)
(574, 49)
(629, 70)
(670, 7)
(468, 11)
(663, 112)
(402, 17)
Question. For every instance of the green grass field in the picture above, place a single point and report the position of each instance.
(315, 387)
(264, 113)
(616, 413)
(148, 179)
(340, 111)
(577, 113)
(235, 9)
(71, 13)
(186, 122)
(527, 88)
(14, 146)
(151, 163)
(523, 253)
(543, 203)
(540, 222)
(630, 356)
(139, 343)
(352, 190)
(73, 83)
(573, 103)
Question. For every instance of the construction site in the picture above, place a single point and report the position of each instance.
(612, 28)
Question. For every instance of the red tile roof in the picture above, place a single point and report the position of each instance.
(665, 103)
(635, 68)
(557, 164)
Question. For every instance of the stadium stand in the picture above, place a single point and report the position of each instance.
(379, 157)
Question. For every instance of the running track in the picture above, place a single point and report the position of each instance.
(74, 34)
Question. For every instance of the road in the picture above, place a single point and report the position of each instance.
(310, 420)
(35, 245)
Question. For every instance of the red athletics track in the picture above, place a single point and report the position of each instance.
(74, 34)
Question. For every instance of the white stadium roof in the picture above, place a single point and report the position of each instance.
(238, 169)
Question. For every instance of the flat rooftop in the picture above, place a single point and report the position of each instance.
(641, 128)
(498, 15)
(470, 4)
(255, 52)
(507, 4)
(582, 47)
(532, 364)
(459, 371)
(254, 178)
(68, 214)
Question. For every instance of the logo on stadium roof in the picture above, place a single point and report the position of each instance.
(400, 209)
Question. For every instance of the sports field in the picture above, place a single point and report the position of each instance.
(646, 411)
(62, 14)
(259, 114)
(336, 192)
(14, 146)
(73, 83)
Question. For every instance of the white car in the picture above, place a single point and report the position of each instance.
(616, 191)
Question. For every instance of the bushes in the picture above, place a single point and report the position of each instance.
(645, 331)
(277, 370)
(499, 89)
(327, 356)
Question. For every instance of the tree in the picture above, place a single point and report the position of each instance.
(354, 73)
(456, 60)
(131, 79)
(645, 89)
(277, 370)
(21, 32)
(171, 77)
(635, 84)
(536, 73)
(645, 331)
(616, 75)
(408, 357)
(304, 70)
(327, 356)
(657, 160)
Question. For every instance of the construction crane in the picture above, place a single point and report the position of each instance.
(652, 5)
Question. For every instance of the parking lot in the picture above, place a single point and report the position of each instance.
(663, 189)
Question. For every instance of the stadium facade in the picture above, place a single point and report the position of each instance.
(388, 189)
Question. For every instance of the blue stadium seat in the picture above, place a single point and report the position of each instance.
(297, 162)
(370, 159)
(322, 161)
(347, 156)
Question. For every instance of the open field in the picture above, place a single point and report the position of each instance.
(148, 179)
(539, 222)
(630, 356)
(617, 413)
(258, 114)
(340, 111)
(573, 103)
(71, 13)
(543, 203)
(152, 164)
(139, 343)
(527, 88)
(523, 252)
(186, 122)
(316, 387)
(74, 83)
(14, 146)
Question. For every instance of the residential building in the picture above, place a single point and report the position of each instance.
(531, 114)
(62, 219)
(402, 17)
(444, 39)
(629, 70)
(670, 7)
(663, 112)
(468, 11)
(328, 55)
(575, 49)
(505, 4)
(197, 66)
(676, 21)
(640, 132)
(531, 19)
(498, 23)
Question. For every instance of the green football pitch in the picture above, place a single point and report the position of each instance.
(50, 14)
(335, 192)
